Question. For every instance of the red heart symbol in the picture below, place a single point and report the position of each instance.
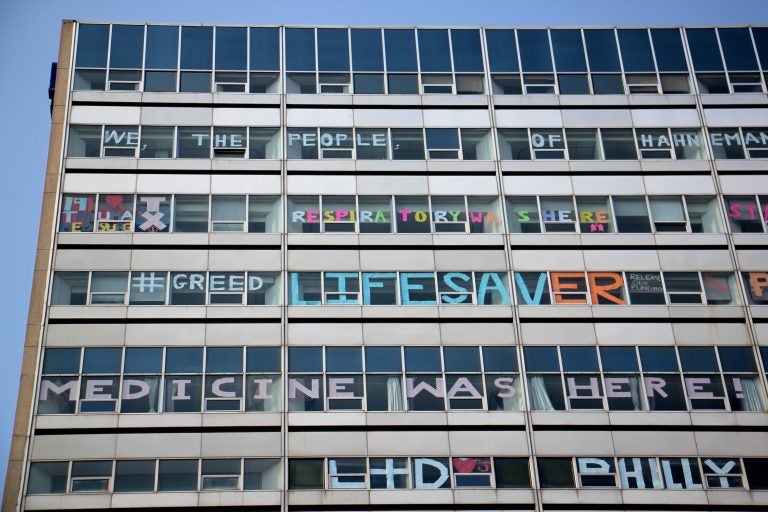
(114, 201)
(463, 465)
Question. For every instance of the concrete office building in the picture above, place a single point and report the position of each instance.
(325, 269)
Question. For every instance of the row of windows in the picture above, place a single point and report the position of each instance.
(407, 61)
(145, 213)
(164, 475)
(396, 379)
(198, 288)
(93, 141)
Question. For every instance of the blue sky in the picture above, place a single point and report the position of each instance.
(29, 31)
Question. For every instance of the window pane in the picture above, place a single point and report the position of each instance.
(534, 50)
(422, 359)
(191, 214)
(726, 143)
(183, 360)
(645, 288)
(383, 359)
(177, 475)
(61, 361)
(343, 359)
(77, 213)
(737, 48)
(761, 42)
(407, 144)
(126, 50)
(299, 49)
(47, 478)
(228, 213)
(705, 52)
(703, 214)
(513, 144)
(412, 213)
(467, 53)
(92, 46)
(619, 359)
(84, 141)
(194, 142)
(196, 47)
(69, 289)
(434, 50)
(367, 50)
(134, 476)
(555, 473)
(568, 50)
(156, 141)
(265, 49)
(618, 144)
(583, 144)
(102, 360)
(512, 473)
(231, 48)
(261, 474)
(541, 359)
(668, 48)
(160, 81)
(305, 473)
(162, 47)
(636, 50)
(602, 51)
(573, 84)
(401, 50)
(502, 50)
(143, 360)
(332, 49)
(658, 359)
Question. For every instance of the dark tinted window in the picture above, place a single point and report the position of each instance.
(102, 360)
(196, 47)
(127, 48)
(579, 359)
(367, 51)
(658, 359)
(231, 48)
(434, 50)
(305, 474)
(332, 49)
(343, 359)
(143, 360)
(305, 359)
(224, 360)
(534, 50)
(401, 50)
(422, 359)
(619, 359)
(61, 360)
(636, 50)
(499, 359)
(737, 359)
(668, 48)
(568, 50)
(299, 49)
(467, 55)
(512, 473)
(601, 50)
(162, 47)
(705, 53)
(555, 473)
(761, 42)
(183, 360)
(541, 359)
(262, 359)
(92, 46)
(502, 50)
(265, 49)
(737, 49)
(461, 359)
(698, 359)
(382, 359)
(757, 473)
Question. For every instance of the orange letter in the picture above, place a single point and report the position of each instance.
(558, 287)
(757, 282)
(602, 290)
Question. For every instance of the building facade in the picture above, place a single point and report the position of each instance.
(335, 269)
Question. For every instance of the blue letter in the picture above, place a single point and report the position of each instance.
(406, 287)
(368, 284)
(498, 285)
(295, 298)
(341, 277)
(448, 280)
(525, 294)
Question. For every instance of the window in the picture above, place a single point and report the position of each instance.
(84, 141)
(91, 57)
(77, 213)
(594, 214)
(555, 473)
(407, 144)
(412, 214)
(265, 60)
(263, 214)
(661, 378)
(336, 143)
(141, 386)
(344, 378)
(512, 473)
(583, 144)
(346, 473)
(156, 142)
(90, 476)
(442, 143)
(514, 144)
(618, 144)
(115, 212)
(631, 215)
(264, 143)
(229, 142)
(69, 289)
(471, 471)
(228, 213)
(302, 143)
(190, 214)
(756, 141)
(367, 57)
(371, 143)
(726, 143)
(47, 478)
(177, 475)
(220, 474)
(193, 142)
(388, 473)
(108, 287)
(668, 213)
(545, 391)
(161, 58)
(557, 214)
(523, 214)
(196, 59)
(134, 476)
(261, 474)
(121, 140)
(305, 474)
(596, 472)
